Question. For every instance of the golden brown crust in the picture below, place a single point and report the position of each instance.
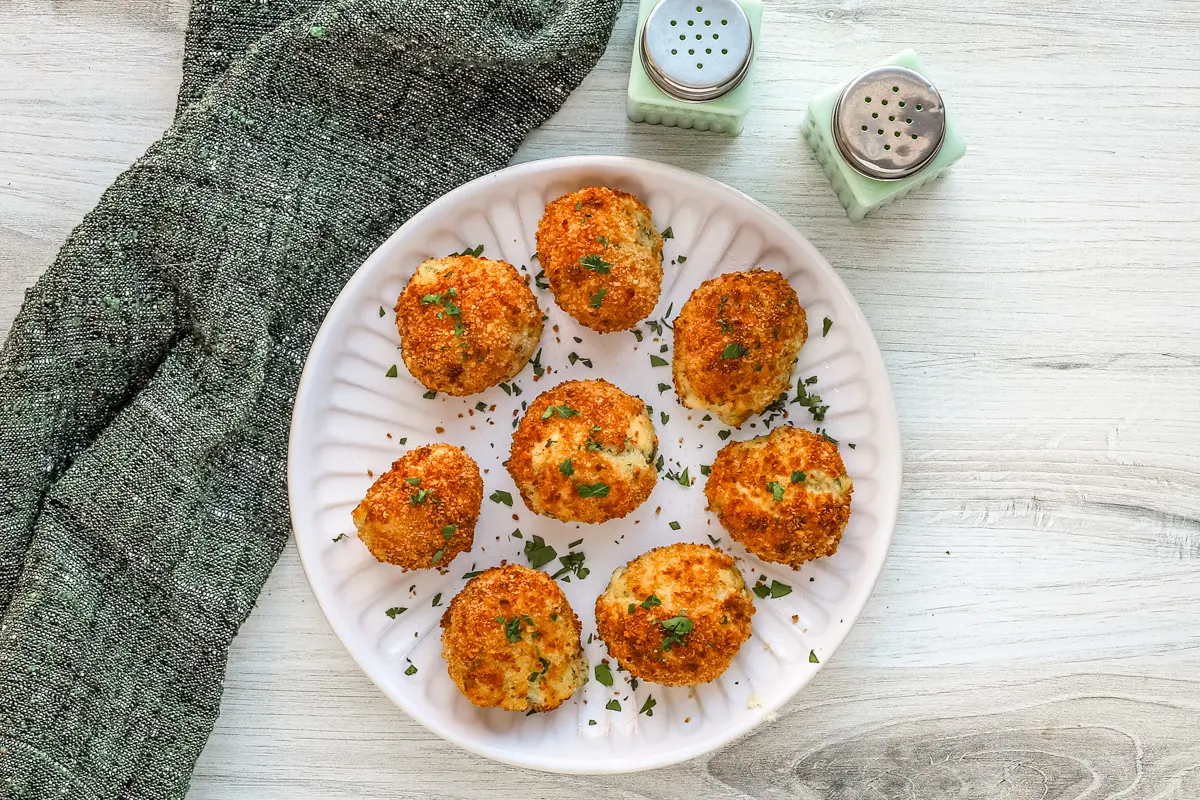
(467, 323)
(507, 625)
(617, 228)
(690, 580)
(736, 340)
(608, 440)
(405, 523)
(807, 522)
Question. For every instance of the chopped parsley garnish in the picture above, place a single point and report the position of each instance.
(339, 537)
(682, 259)
(381, 312)
(420, 496)
(412, 670)
(538, 369)
(413, 481)
(562, 411)
(826, 326)
(812, 657)
(592, 489)
(675, 630)
(501, 496)
(604, 675)
(471, 251)
(538, 552)
(673, 525)
(636, 334)
(576, 543)
(512, 628)
(632, 608)
(473, 573)
(540, 281)
(591, 722)
(395, 611)
(725, 434)
(822, 432)
(573, 357)
(404, 440)
(437, 599)
(733, 350)
(481, 407)
(657, 361)
(391, 373)
(706, 418)
(810, 401)
(775, 590)
(705, 469)
(598, 297)
(596, 264)
(713, 539)
(566, 467)
(662, 387)
(613, 705)
(507, 389)
(572, 564)
(663, 416)
(534, 676)
(682, 478)
(437, 556)
(776, 490)
(430, 394)
(448, 531)
(655, 326)
(651, 602)
(578, 204)
(662, 349)
(516, 534)
(797, 476)
(648, 706)
(668, 233)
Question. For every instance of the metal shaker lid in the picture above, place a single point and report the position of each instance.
(889, 123)
(697, 50)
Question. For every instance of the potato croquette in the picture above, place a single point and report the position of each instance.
(785, 496)
(584, 452)
(421, 513)
(602, 256)
(736, 340)
(511, 640)
(467, 323)
(676, 615)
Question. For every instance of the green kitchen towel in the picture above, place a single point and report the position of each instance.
(146, 386)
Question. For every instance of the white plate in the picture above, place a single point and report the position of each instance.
(346, 408)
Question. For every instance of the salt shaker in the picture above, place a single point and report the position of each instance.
(693, 63)
(882, 135)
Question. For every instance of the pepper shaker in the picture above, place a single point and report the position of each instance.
(882, 135)
(693, 63)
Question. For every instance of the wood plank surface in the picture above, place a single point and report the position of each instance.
(1035, 632)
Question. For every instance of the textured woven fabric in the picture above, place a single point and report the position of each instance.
(146, 386)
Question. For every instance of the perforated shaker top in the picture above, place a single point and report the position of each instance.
(697, 50)
(889, 122)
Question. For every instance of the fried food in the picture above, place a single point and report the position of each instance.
(602, 256)
(676, 615)
(736, 341)
(785, 496)
(467, 323)
(421, 513)
(511, 640)
(584, 452)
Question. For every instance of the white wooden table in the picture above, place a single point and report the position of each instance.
(1036, 631)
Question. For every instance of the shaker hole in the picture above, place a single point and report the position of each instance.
(682, 37)
(897, 133)
(874, 116)
(895, 88)
(864, 127)
(697, 36)
(902, 104)
(914, 136)
(908, 120)
(881, 131)
(868, 99)
(699, 9)
(691, 52)
(918, 106)
(724, 22)
(887, 147)
(699, 66)
(674, 52)
(673, 23)
(724, 52)
(891, 119)
(691, 22)
(708, 22)
(708, 50)
(884, 102)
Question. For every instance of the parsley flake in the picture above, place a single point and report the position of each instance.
(412, 670)
(826, 326)
(668, 233)
(430, 394)
(395, 611)
(538, 552)
(562, 411)
(391, 373)
(776, 490)
(339, 537)
(596, 264)
(682, 259)
(566, 467)
(812, 657)
(662, 387)
(598, 297)
(797, 476)
(501, 496)
(657, 361)
(675, 630)
(613, 705)
(674, 525)
(648, 706)
(604, 675)
(733, 350)
(437, 599)
(592, 489)
(651, 602)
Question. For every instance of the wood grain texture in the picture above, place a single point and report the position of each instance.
(1034, 633)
